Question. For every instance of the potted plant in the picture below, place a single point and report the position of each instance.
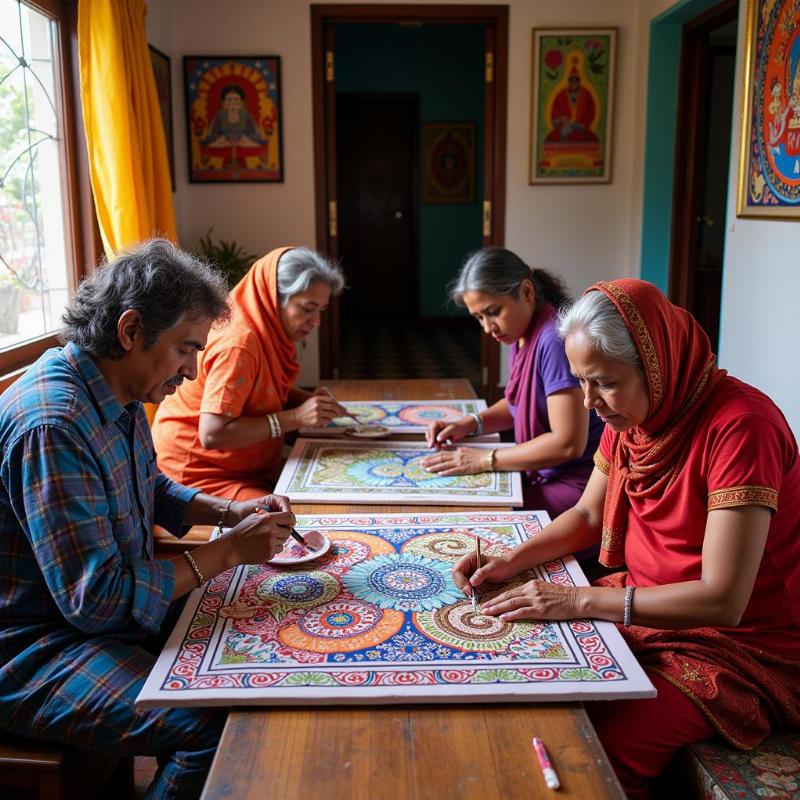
(229, 257)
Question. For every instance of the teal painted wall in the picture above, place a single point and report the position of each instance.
(444, 65)
(662, 111)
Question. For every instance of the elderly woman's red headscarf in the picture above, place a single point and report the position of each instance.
(257, 305)
(680, 372)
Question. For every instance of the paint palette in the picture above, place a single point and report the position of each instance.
(367, 431)
(294, 553)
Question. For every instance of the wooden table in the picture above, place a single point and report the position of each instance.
(399, 752)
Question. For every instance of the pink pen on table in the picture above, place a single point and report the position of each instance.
(550, 777)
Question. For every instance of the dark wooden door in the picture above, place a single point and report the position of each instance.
(708, 57)
(376, 176)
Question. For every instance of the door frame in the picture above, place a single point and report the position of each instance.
(323, 20)
(689, 159)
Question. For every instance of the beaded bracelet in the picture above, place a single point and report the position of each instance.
(223, 516)
(478, 424)
(626, 614)
(193, 564)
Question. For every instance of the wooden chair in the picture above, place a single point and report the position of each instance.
(45, 771)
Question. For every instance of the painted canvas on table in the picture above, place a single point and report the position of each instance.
(334, 471)
(448, 162)
(401, 416)
(769, 163)
(234, 122)
(162, 73)
(377, 619)
(572, 105)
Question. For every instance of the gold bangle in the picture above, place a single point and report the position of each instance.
(193, 564)
(490, 459)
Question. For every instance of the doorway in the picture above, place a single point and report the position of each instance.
(395, 277)
(705, 115)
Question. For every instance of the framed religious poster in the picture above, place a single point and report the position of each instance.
(163, 77)
(572, 102)
(448, 162)
(233, 118)
(769, 159)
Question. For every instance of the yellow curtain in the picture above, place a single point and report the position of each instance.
(124, 130)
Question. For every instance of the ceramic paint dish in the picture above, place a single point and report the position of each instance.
(367, 432)
(294, 553)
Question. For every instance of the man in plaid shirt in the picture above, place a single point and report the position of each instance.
(84, 606)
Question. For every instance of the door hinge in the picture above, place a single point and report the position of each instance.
(485, 376)
(332, 219)
(489, 67)
(330, 73)
(487, 217)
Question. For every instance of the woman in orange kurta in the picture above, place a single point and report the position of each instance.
(223, 432)
(697, 490)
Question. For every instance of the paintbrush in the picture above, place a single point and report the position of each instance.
(477, 567)
(346, 413)
(300, 539)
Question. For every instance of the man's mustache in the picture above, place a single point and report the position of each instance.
(176, 381)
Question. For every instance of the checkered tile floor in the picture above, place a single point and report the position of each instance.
(415, 349)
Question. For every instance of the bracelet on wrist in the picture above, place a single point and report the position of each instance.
(274, 425)
(478, 424)
(626, 614)
(490, 460)
(223, 516)
(193, 564)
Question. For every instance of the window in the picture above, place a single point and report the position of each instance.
(38, 251)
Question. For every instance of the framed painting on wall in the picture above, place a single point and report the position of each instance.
(769, 159)
(448, 162)
(572, 102)
(233, 118)
(163, 77)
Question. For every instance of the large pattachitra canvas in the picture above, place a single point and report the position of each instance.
(402, 416)
(333, 471)
(769, 163)
(378, 620)
(572, 103)
(234, 122)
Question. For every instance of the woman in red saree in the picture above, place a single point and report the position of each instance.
(696, 489)
(224, 432)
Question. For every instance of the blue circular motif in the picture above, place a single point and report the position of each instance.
(403, 581)
(339, 619)
(397, 470)
(299, 588)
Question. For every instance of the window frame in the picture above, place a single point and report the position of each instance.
(84, 249)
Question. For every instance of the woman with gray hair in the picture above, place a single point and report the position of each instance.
(223, 433)
(695, 499)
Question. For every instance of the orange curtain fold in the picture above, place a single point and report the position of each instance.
(125, 138)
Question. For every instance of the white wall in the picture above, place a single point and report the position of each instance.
(583, 232)
(761, 289)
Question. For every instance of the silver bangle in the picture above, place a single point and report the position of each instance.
(478, 424)
(274, 426)
(626, 614)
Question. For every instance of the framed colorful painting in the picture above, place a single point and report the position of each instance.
(162, 73)
(769, 160)
(448, 162)
(233, 118)
(572, 103)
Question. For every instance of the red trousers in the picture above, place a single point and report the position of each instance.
(641, 736)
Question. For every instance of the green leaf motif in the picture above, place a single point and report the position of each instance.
(498, 676)
(309, 679)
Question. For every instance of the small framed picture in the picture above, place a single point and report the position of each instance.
(572, 105)
(448, 162)
(233, 118)
(163, 77)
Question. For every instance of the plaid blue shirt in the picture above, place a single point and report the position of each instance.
(79, 494)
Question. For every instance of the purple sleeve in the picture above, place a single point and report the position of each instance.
(554, 373)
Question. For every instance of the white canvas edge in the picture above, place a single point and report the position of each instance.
(480, 405)
(374, 497)
(637, 686)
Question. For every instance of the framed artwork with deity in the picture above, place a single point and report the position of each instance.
(572, 101)
(769, 160)
(448, 162)
(233, 118)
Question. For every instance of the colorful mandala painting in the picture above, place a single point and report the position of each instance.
(332, 471)
(377, 619)
(408, 416)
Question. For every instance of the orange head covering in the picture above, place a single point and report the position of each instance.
(680, 372)
(256, 304)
